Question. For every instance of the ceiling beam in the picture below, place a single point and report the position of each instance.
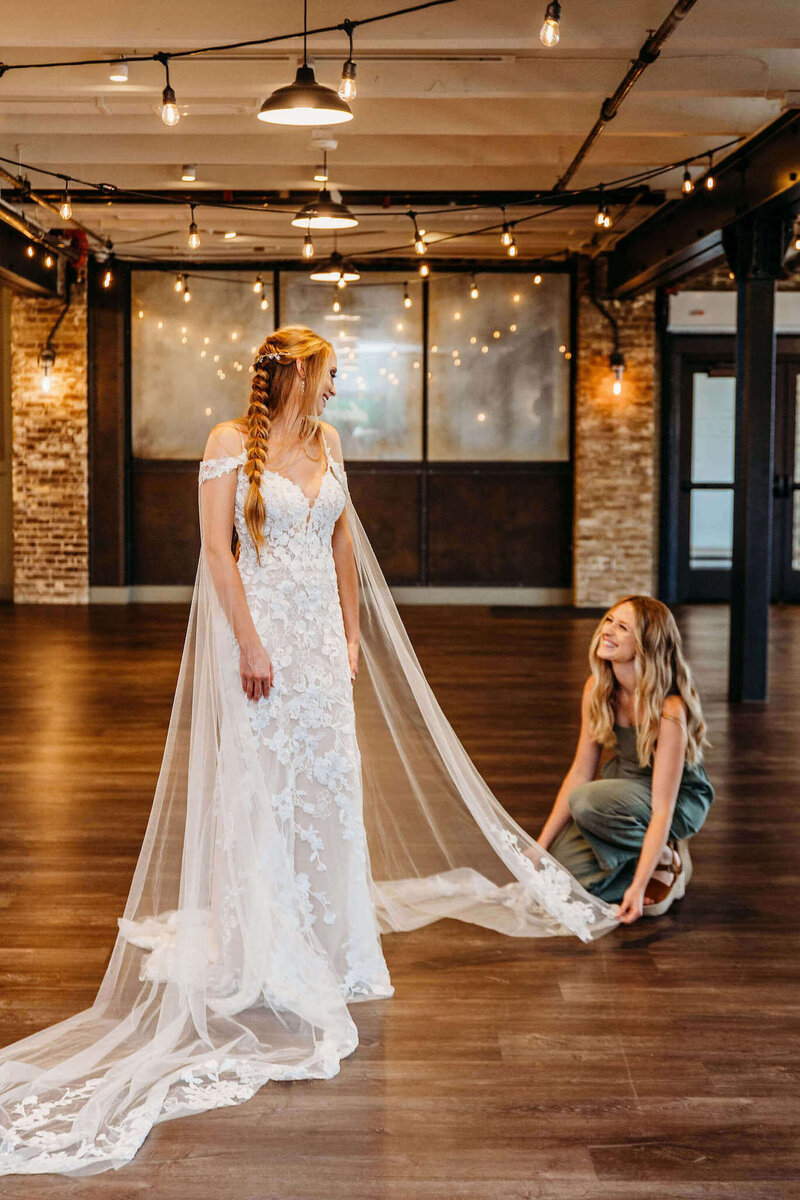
(762, 174)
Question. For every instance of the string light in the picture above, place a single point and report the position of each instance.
(258, 285)
(264, 304)
(407, 301)
(419, 236)
(118, 72)
(710, 181)
(65, 212)
(187, 295)
(230, 235)
(616, 361)
(29, 250)
(169, 105)
(178, 283)
(506, 237)
(108, 277)
(537, 279)
(347, 88)
(308, 246)
(194, 236)
(473, 291)
(424, 270)
(512, 249)
(48, 261)
(550, 31)
(337, 305)
(688, 185)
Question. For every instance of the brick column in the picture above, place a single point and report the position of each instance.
(50, 453)
(616, 452)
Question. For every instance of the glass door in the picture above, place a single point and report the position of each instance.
(786, 484)
(708, 423)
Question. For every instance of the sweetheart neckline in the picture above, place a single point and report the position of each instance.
(310, 500)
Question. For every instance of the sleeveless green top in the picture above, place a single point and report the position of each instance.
(625, 765)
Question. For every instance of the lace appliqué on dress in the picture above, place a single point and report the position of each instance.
(212, 468)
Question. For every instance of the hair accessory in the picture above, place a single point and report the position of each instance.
(263, 358)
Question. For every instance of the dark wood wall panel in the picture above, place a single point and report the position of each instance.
(165, 524)
(388, 502)
(501, 526)
(493, 525)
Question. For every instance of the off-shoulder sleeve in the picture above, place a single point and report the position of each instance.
(212, 468)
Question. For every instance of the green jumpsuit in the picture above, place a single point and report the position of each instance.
(600, 844)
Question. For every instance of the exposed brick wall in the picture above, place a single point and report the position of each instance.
(50, 448)
(616, 452)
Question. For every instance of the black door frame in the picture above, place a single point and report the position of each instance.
(682, 353)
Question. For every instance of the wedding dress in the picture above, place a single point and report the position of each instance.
(286, 835)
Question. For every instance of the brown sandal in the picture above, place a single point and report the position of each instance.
(662, 894)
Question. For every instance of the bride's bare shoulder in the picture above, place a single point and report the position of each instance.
(333, 439)
(224, 440)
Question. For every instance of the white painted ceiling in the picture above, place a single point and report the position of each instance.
(454, 99)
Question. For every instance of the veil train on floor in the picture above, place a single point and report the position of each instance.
(215, 985)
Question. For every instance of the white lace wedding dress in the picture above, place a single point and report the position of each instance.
(285, 836)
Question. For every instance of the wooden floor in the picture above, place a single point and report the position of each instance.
(658, 1062)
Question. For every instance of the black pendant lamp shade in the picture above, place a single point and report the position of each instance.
(305, 102)
(324, 213)
(334, 269)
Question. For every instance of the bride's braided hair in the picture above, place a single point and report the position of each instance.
(274, 378)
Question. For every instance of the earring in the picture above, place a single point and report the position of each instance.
(302, 387)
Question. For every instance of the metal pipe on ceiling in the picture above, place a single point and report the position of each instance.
(646, 56)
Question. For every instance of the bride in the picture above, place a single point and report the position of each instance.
(312, 796)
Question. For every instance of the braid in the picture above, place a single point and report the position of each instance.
(258, 426)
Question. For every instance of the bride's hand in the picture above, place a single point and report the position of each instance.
(255, 668)
(352, 654)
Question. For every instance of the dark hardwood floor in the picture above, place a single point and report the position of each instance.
(658, 1062)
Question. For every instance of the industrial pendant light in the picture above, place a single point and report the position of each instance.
(335, 270)
(305, 102)
(324, 213)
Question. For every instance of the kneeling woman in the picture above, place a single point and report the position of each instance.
(624, 836)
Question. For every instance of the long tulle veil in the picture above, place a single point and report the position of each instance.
(215, 985)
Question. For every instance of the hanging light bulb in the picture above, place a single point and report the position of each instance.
(600, 215)
(617, 363)
(48, 261)
(108, 277)
(473, 291)
(537, 279)
(506, 237)
(194, 236)
(304, 102)
(65, 212)
(118, 72)
(46, 361)
(512, 249)
(347, 88)
(264, 304)
(169, 105)
(337, 305)
(550, 31)
(407, 301)
(419, 236)
(187, 295)
(688, 185)
(258, 285)
(178, 283)
(308, 246)
(424, 270)
(341, 282)
(710, 181)
(29, 250)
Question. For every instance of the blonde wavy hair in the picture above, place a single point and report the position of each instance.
(661, 670)
(275, 382)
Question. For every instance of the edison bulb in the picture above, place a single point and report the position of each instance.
(169, 112)
(65, 212)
